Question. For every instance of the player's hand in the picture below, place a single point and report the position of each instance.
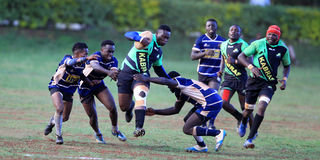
(209, 52)
(93, 57)
(140, 77)
(113, 74)
(150, 112)
(231, 60)
(283, 84)
(256, 72)
(219, 74)
(145, 41)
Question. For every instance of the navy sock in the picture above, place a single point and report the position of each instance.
(255, 125)
(200, 141)
(140, 114)
(206, 132)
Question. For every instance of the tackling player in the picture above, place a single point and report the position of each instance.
(206, 100)
(267, 54)
(140, 61)
(97, 70)
(64, 83)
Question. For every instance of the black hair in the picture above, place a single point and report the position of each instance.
(173, 74)
(80, 46)
(165, 27)
(212, 20)
(105, 42)
(237, 27)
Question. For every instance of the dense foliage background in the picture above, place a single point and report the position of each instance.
(297, 23)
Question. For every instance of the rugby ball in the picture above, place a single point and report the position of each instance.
(147, 34)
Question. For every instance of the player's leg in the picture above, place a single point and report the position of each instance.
(57, 100)
(140, 92)
(226, 94)
(264, 99)
(241, 98)
(106, 98)
(192, 121)
(215, 84)
(125, 94)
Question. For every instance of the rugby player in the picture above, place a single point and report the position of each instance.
(206, 100)
(97, 70)
(140, 61)
(64, 83)
(267, 54)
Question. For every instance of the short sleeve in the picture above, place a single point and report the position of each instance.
(286, 59)
(250, 50)
(198, 44)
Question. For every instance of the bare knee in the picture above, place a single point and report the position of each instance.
(186, 130)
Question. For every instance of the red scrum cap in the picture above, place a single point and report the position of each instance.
(274, 29)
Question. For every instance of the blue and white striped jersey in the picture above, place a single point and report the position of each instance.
(196, 93)
(67, 77)
(85, 88)
(209, 65)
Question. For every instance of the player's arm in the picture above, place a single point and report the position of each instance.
(196, 54)
(73, 61)
(111, 73)
(286, 70)
(220, 72)
(167, 111)
(157, 80)
(244, 61)
(134, 36)
(160, 71)
(87, 80)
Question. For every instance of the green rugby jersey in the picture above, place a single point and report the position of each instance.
(268, 57)
(142, 60)
(229, 49)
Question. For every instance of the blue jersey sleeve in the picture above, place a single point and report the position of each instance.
(115, 64)
(198, 44)
(133, 36)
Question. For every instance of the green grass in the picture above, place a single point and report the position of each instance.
(290, 129)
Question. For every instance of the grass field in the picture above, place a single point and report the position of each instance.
(290, 130)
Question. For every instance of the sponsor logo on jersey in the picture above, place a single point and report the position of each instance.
(265, 68)
(206, 45)
(72, 78)
(155, 48)
(271, 49)
(230, 46)
(232, 68)
(142, 61)
(236, 50)
(278, 55)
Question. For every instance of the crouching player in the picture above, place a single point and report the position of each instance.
(64, 83)
(97, 70)
(205, 99)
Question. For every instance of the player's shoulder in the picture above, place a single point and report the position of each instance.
(220, 38)
(202, 37)
(282, 43)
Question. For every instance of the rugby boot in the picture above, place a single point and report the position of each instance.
(242, 129)
(99, 139)
(119, 135)
(59, 139)
(197, 148)
(248, 144)
(48, 129)
(219, 139)
(139, 132)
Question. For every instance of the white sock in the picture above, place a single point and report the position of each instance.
(58, 122)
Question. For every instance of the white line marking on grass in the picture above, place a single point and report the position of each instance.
(61, 157)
